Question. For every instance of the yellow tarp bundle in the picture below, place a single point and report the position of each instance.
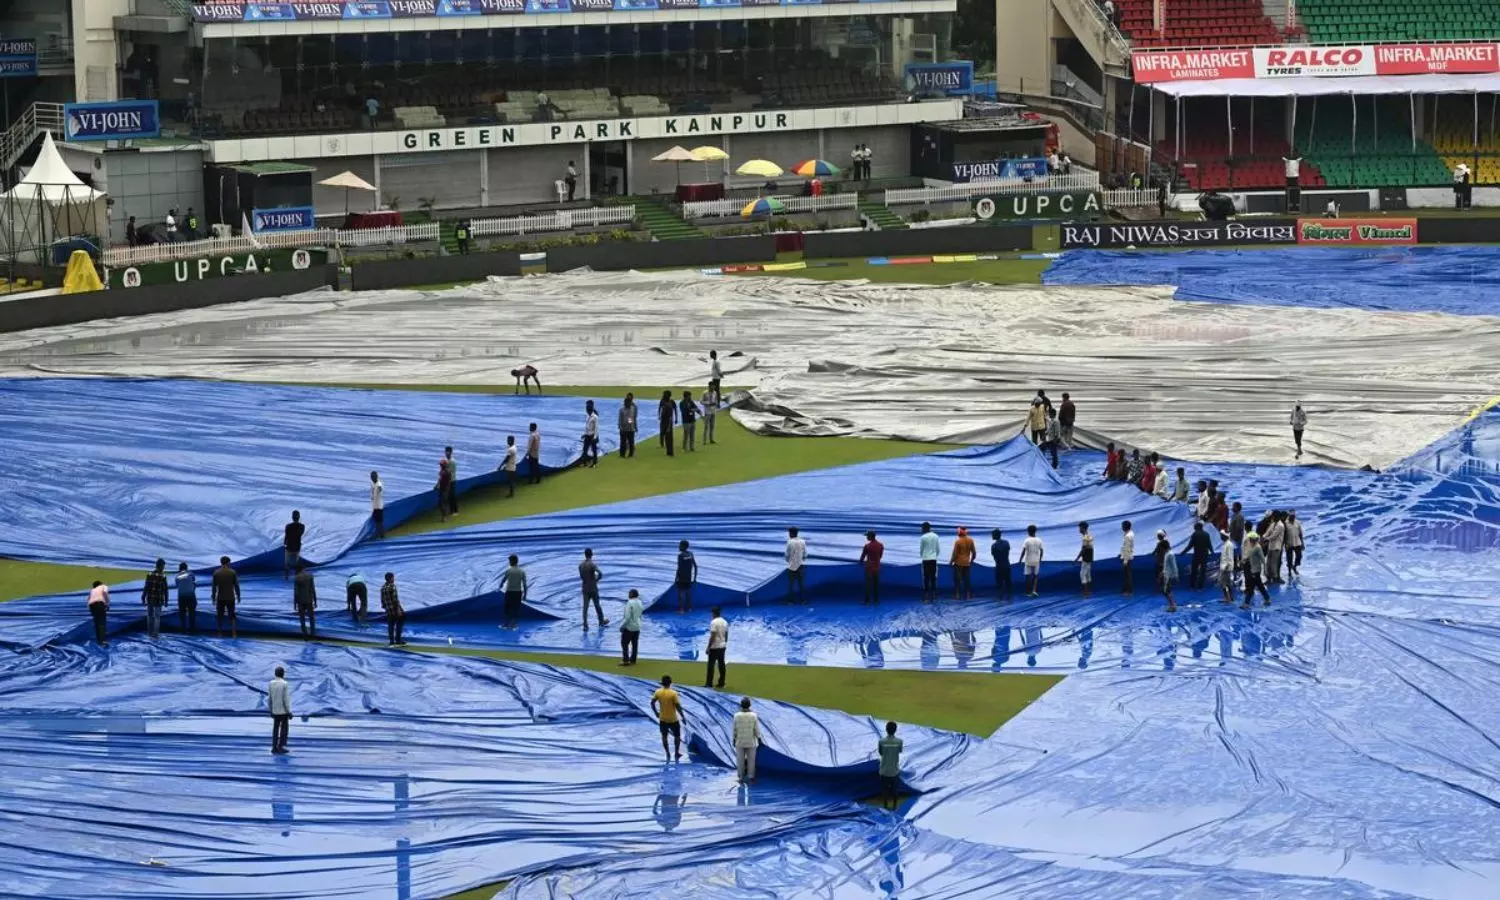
(81, 275)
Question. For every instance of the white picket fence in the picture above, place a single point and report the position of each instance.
(1123, 197)
(1073, 181)
(313, 237)
(710, 209)
(560, 220)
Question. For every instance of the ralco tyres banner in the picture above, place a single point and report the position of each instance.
(1153, 66)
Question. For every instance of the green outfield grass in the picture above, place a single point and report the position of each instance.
(996, 271)
(28, 579)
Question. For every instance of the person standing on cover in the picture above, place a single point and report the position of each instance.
(667, 706)
(1000, 554)
(1201, 547)
(889, 750)
(279, 702)
(746, 733)
(508, 465)
(666, 418)
(225, 596)
(291, 544)
(796, 556)
(927, 548)
(187, 600)
(1255, 567)
(630, 628)
(357, 597)
(154, 596)
(1127, 556)
(1067, 414)
(1275, 543)
(1036, 421)
(1299, 424)
(710, 411)
(715, 371)
(869, 558)
(1293, 543)
(1031, 557)
(525, 376)
(452, 480)
(1226, 567)
(513, 582)
(1180, 486)
(1237, 532)
(305, 598)
(534, 453)
(689, 421)
(1085, 559)
(395, 613)
(1166, 568)
(377, 505)
(590, 576)
(628, 419)
(687, 576)
(718, 645)
(444, 488)
(99, 612)
(590, 455)
(962, 561)
(1053, 437)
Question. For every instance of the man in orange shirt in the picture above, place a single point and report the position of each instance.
(962, 560)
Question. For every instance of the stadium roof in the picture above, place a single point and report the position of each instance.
(1314, 86)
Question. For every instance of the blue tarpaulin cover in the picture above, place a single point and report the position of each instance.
(1338, 743)
(1454, 280)
(118, 472)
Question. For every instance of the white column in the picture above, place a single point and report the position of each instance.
(484, 178)
(588, 181)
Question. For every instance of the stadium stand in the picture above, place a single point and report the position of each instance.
(1256, 162)
(1453, 138)
(1198, 23)
(1374, 149)
(1357, 21)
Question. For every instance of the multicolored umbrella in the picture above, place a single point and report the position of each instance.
(761, 168)
(815, 167)
(763, 206)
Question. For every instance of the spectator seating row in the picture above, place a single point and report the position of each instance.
(418, 117)
(1197, 23)
(1360, 21)
(1378, 151)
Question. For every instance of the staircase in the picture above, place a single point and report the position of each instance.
(17, 139)
(1099, 36)
(874, 209)
(663, 223)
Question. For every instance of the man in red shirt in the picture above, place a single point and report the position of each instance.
(870, 558)
(1112, 461)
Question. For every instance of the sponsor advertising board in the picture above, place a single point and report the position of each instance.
(204, 268)
(121, 120)
(1471, 58)
(952, 79)
(229, 11)
(1356, 232)
(290, 218)
(992, 169)
(1049, 205)
(1178, 234)
(17, 57)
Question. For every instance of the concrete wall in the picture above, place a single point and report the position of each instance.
(451, 179)
(148, 184)
(95, 53)
(1023, 46)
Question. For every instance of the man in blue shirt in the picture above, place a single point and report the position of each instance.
(1000, 553)
(630, 629)
(927, 547)
(687, 576)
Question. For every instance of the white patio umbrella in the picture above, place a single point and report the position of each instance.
(349, 182)
(678, 155)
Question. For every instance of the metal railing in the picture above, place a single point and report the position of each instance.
(314, 237)
(560, 220)
(1122, 198)
(1115, 44)
(1075, 181)
(709, 209)
(37, 118)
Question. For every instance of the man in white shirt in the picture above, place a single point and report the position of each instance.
(927, 548)
(796, 555)
(1127, 556)
(571, 180)
(1293, 167)
(715, 371)
(279, 701)
(172, 226)
(1293, 543)
(377, 504)
(1031, 557)
(746, 741)
(718, 643)
(1275, 544)
(534, 454)
(590, 436)
(508, 466)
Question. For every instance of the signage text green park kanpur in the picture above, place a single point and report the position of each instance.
(580, 132)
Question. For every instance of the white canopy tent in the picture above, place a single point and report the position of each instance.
(1308, 86)
(50, 203)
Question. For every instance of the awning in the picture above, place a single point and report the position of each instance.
(1310, 86)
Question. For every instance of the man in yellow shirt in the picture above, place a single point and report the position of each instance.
(961, 560)
(1036, 421)
(668, 709)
